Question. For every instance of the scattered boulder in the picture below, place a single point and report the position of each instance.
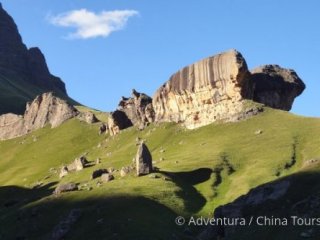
(258, 132)
(87, 117)
(107, 177)
(78, 164)
(45, 109)
(98, 173)
(61, 230)
(68, 187)
(98, 161)
(275, 86)
(63, 172)
(124, 171)
(143, 160)
(102, 129)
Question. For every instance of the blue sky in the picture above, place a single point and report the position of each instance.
(150, 40)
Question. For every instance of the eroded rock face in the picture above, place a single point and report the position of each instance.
(276, 87)
(45, 109)
(134, 111)
(212, 89)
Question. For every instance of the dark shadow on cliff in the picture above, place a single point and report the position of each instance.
(193, 200)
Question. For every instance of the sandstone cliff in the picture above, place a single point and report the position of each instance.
(212, 89)
(24, 73)
(45, 109)
(218, 89)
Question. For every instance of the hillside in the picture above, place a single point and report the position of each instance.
(258, 150)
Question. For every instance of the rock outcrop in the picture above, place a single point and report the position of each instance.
(276, 87)
(22, 68)
(218, 89)
(135, 111)
(45, 109)
(143, 160)
(212, 89)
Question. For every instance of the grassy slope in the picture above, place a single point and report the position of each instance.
(141, 207)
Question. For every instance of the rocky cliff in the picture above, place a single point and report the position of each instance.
(218, 89)
(24, 73)
(212, 89)
(45, 109)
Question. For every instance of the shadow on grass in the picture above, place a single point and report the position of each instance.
(35, 213)
(193, 200)
(297, 195)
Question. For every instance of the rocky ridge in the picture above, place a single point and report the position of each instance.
(216, 89)
(45, 109)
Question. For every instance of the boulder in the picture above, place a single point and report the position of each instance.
(210, 90)
(275, 86)
(102, 129)
(87, 117)
(45, 109)
(107, 177)
(63, 172)
(143, 160)
(117, 121)
(98, 173)
(124, 171)
(68, 187)
(78, 164)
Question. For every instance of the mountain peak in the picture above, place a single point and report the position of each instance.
(22, 68)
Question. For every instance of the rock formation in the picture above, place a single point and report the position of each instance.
(218, 89)
(45, 109)
(22, 68)
(87, 117)
(143, 160)
(134, 111)
(276, 87)
(212, 89)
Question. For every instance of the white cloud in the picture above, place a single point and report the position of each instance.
(91, 25)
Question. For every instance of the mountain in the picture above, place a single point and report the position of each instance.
(24, 73)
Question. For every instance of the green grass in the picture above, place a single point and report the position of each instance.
(143, 207)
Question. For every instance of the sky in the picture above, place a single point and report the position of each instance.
(102, 49)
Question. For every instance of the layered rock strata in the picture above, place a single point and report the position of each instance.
(210, 90)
